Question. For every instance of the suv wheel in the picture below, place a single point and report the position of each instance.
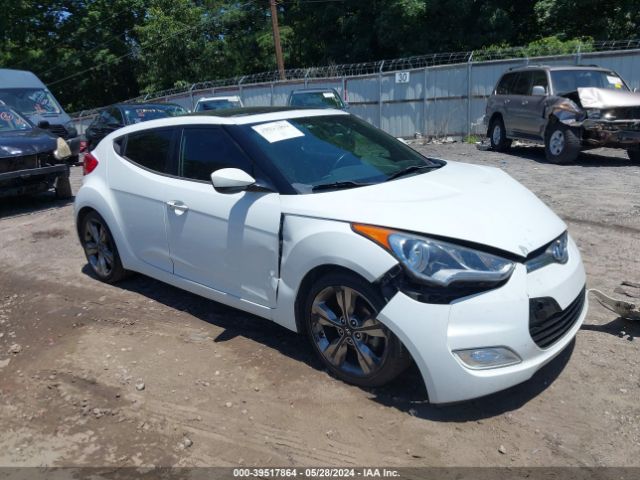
(561, 144)
(634, 155)
(63, 188)
(340, 317)
(497, 136)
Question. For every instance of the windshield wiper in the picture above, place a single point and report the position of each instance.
(337, 185)
(411, 169)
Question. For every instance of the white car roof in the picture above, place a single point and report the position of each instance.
(213, 99)
(207, 118)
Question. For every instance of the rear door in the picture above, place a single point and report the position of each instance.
(501, 101)
(225, 241)
(138, 179)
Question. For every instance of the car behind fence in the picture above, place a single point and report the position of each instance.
(435, 95)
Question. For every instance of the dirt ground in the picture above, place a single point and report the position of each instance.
(144, 374)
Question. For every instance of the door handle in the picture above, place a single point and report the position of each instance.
(177, 206)
(507, 101)
(525, 102)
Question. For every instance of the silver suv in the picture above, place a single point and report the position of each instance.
(568, 108)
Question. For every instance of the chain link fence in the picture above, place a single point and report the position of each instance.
(434, 95)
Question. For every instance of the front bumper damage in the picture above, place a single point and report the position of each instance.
(612, 133)
(31, 180)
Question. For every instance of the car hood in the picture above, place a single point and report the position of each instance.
(472, 203)
(606, 98)
(27, 142)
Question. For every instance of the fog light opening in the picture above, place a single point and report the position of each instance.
(488, 357)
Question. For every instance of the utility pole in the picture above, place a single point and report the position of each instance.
(276, 38)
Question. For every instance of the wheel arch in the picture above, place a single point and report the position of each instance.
(493, 118)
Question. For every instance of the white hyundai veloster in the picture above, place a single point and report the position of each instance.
(328, 226)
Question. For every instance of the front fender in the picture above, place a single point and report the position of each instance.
(308, 243)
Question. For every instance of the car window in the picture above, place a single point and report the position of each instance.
(150, 148)
(504, 87)
(321, 150)
(522, 84)
(219, 104)
(539, 79)
(116, 116)
(326, 99)
(567, 81)
(204, 150)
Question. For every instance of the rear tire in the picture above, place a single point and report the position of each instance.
(340, 315)
(100, 248)
(63, 188)
(497, 136)
(561, 144)
(634, 155)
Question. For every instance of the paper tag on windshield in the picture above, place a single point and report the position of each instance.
(277, 131)
(614, 80)
(327, 94)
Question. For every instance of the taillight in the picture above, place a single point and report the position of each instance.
(90, 163)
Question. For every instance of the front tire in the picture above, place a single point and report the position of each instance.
(497, 136)
(634, 155)
(100, 249)
(340, 315)
(63, 188)
(561, 144)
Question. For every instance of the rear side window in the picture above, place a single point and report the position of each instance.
(204, 150)
(150, 149)
(522, 84)
(504, 87)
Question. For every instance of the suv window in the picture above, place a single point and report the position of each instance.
(206, 149)
(504, 87)
(522, 84)
(150, 149)
(539, 79)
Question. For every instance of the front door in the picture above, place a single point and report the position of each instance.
(225, 241)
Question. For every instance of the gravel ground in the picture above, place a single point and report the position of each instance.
(144, 374)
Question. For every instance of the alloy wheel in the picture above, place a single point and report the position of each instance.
(497, 134)
(556, 142)
(99, 247)
(346, 332)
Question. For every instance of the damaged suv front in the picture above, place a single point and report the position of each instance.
(567, 108)
(31, 159)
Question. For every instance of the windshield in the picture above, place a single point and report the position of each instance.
(566, 81)
(137, 114)
(10, 121)
(30, 101)
(222, 104)
(333, 149)
(316, 99)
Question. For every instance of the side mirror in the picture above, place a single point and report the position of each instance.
(538, 90)
(43, 124)
(231, 180)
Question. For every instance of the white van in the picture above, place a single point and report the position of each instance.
(24, 91)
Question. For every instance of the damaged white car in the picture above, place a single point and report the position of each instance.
(568, 108)
(326, 225)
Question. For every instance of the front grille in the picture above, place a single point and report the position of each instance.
(625, 113)
(58, 130)
(12, 164)
(548, 322)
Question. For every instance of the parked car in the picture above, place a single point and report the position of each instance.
(218, 103)
(31, 159)
(330, 227)
(316, 98)
(25, 93)
(568, 108)
(117, 116)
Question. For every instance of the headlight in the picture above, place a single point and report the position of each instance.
(438, 263)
